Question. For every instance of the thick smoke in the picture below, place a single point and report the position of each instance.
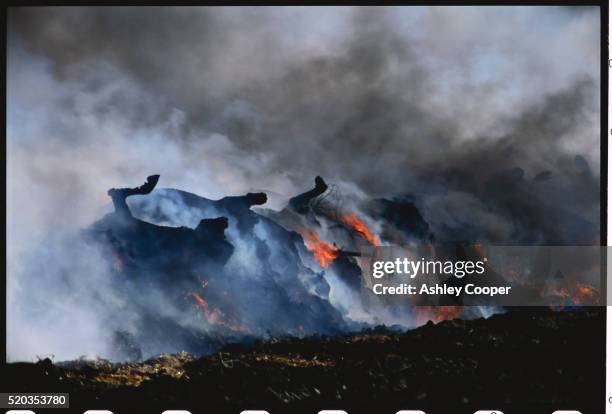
(487, 117)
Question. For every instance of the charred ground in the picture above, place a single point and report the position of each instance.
(507, 361)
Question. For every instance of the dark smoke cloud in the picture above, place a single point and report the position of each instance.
(463, 108)
(368, 95)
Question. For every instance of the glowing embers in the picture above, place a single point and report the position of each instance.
(436, 313)
(214, 315)
(576, 293)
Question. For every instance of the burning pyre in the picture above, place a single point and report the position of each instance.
(260, 281)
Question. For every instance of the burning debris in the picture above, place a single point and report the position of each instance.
(356, 224)
(288, 266)
(437, 313)
(215, 316)
(152, 252)
(573, 293)
(323, 252)
(268, 274)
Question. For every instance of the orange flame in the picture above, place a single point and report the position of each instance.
(578, 293)
(213, 315)
(354, 222)
(575, 293)
(199, 299)
(436, 313)
(323, 252)
(584, 292)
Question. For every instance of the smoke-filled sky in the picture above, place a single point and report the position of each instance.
(222, 100)
(453, 105)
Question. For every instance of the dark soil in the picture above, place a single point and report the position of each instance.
(528, 361)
